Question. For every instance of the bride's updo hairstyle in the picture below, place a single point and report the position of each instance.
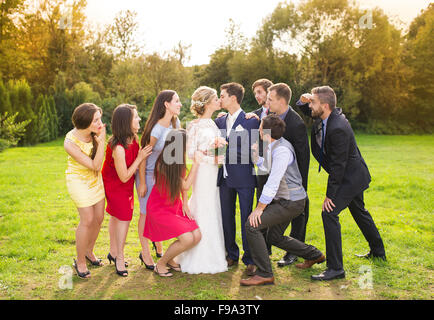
(200, 98)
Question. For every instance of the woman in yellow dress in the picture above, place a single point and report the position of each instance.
(85, 146)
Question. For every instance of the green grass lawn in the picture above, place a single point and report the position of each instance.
(38, 221)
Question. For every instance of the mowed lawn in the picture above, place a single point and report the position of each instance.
(38, 221)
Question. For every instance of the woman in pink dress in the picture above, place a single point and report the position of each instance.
(167, 215)
(123, 157)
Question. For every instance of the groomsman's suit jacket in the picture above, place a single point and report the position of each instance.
(239, 175)
(348, 172)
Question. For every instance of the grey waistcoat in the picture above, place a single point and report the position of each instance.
(290, 187)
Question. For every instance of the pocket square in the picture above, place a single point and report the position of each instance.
(239, 128)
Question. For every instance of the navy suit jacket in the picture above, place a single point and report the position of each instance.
(240, 175)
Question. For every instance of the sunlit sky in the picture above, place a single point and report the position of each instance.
(202, 23)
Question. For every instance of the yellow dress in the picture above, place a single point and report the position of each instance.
(85, 186)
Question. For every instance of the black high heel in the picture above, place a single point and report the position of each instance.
(149, 267)
(82, 275)
(97, 263)
(110, 259)
(159, 255)
(123, 273)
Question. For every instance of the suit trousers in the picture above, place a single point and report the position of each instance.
(276, 217)
(298, 225)
(332, 229)
(228, 197)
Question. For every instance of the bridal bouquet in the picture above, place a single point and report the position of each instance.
(218, 148)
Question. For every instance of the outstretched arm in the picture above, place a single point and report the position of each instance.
(123, 172)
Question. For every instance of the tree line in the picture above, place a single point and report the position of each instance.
(52, 59)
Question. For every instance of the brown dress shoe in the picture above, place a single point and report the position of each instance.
(231, 262)
(257, 281)
(309, 263)
(251, 270)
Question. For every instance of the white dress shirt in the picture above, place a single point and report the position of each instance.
(230, 120)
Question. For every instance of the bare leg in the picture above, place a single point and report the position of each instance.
(159, 246)
(185, 241)
(146, 254)
(121, 237)
(113, 239)
(82, 236)
(98, 218)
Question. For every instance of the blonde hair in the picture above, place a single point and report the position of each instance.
(200, 98)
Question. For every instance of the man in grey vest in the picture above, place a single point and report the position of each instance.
(283, 198)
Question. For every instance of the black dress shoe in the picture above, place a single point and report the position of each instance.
(369, 255)
(287, 260)
(231, 262)
(329, 274)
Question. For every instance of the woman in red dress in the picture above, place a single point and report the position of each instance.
(167, 215)
(122, 160)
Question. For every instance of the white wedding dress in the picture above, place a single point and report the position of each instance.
(209, 255)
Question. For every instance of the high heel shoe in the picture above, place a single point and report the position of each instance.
(149, 267)
(163, 274)
(97, 262)
(82, 275)
(176, 268)
(122, 273)
(159, 255)
(110, 259)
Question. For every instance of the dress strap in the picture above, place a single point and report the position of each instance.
(70, 136)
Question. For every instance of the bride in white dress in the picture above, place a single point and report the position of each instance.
(209, 255)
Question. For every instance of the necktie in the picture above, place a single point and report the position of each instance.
(322, 145)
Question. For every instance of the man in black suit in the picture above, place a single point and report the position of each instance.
(279, 96)
(259, 88)
(334, 146)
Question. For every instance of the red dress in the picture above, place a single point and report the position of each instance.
(165, 220)
(119, 195)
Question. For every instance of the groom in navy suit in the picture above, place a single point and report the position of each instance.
(237, 175)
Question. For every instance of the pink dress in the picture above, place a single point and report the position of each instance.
(165, 220)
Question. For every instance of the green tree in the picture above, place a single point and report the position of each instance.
(121, 34)
(21, 101)
(419, 57)
(5, 103)
(54, 120)
(42, 120)
(11, 131)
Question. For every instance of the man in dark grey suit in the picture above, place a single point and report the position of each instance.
(334, 146)
(279, 96)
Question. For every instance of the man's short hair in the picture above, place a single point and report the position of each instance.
(264, 83)
(326, 95)
(275, 124)
(282, 91)
(234, 89)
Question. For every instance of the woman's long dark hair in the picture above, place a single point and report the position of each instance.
(158, 111)
(82, 118)
(171, 173)
(121, 125)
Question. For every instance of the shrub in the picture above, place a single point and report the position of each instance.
(10, 131)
